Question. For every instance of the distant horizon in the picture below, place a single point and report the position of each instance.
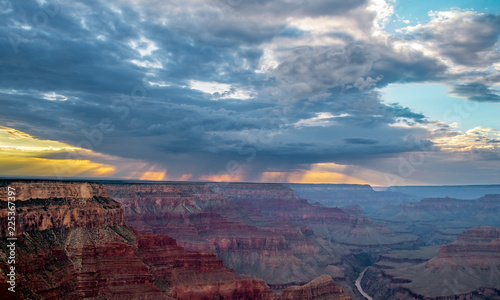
(100, 179)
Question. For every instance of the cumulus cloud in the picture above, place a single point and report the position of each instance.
(482, 142)
(464, 38)
(296, 86)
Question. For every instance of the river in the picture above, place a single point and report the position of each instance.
(358, 285)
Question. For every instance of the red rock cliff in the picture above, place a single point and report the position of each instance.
(28, 190)
(73, 244)
(322, 287)
(67, 205)
(199, 216)
(263, 230)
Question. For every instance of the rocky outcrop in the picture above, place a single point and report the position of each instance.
(322, 287)
(174, 209)
(331, 223)
(381, 286)
(260, 202)
(264, 191)
(194, 275)
(75, 248)
(431, 209)
(168, 198)
(468, 192)
(45, 189)
(205, 218)
(56, 213)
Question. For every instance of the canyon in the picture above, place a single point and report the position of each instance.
(439, 221)
(207, 240)
(262, 230)
(347, 195)
(468, 268)
(73, 243)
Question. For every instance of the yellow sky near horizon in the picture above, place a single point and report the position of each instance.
(23, 155)
(26, 156)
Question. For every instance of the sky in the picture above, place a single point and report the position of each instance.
(376, 92)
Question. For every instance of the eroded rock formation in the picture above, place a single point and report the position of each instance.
(322, 287)
(73, 244)
(262, 230)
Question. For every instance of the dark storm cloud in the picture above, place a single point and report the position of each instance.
(312, 71)
(130, 67)
(475, 92)
(412, 67)
(302, 7)
(60, 54)
(360, 141)
(309, 71)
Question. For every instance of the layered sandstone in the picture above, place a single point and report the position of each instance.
(342, 195)
(331, 223)
(56, 213)
(480, 212)
(322, 287)
(173, 209)
(211, 223)
(266, 191)
(74, 245)
(45, 189)
(262, 230)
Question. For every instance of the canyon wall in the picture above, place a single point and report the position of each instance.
(468, 268)
(440, 221)
(46, 189)
(322, 287)
(204, 218)
(262, 230)
(72, 243)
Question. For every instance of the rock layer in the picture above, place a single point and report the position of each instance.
(439, 221)
(468, 268)
(45, 189)
(73, 244)
(478, 247)
(322, 287)
(262, 230)
(201, 217)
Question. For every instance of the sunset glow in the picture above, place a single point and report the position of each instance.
(380, 92)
